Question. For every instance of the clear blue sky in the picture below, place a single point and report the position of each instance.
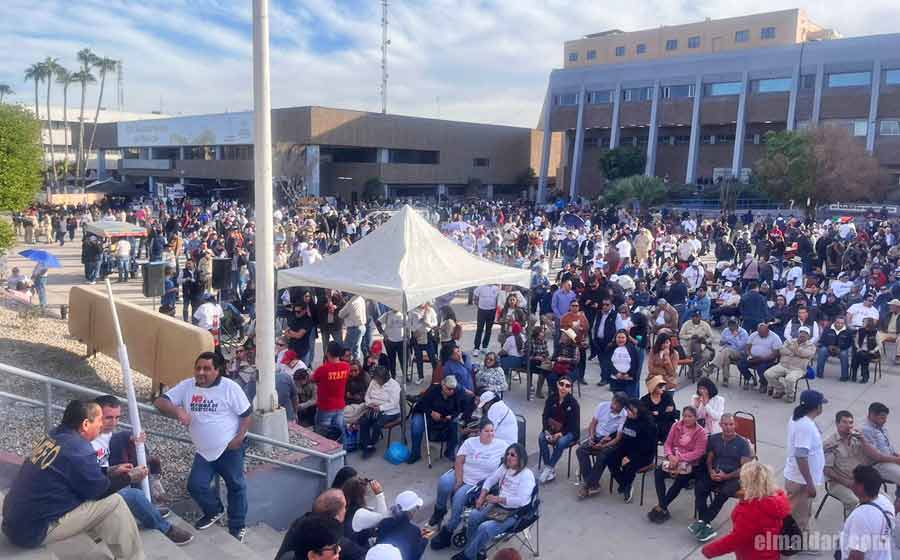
(463, 59)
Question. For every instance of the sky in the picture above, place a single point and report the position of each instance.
(470, 60)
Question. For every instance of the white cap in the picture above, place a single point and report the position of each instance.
(408, 500)
(729, 284)
(486, 397)
(804, 329)
(384, 552)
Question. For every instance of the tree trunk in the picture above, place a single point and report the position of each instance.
(79, 155)
(50, 135)
(66, 137)
(96, 118)
(37, 115)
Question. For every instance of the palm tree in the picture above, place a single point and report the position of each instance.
(103, 66)
(48, 68)
(86, 57)
(64, 78)
(33, 73)
(5, 90)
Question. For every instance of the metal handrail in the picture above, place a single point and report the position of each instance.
(49, 407)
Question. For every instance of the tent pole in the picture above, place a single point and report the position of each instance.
(403, 365)
(529, 328)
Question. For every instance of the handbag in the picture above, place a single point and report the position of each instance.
(498, 513)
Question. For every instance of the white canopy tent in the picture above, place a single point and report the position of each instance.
(403, 264)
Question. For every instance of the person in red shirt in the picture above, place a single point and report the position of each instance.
(331, 381)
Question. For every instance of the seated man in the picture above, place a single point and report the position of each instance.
(112, 450)
(835, 341)
(889, 327)
(886, 460)
(46, 505)
(795, 355)
(696, 337)
(726, 452)
(314, 536)
(727, 304)
(762, 353)
(605, 434)
(844, 451)
(442, 405)
(732, 348)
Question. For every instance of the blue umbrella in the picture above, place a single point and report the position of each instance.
(573, 221)
(42, 257)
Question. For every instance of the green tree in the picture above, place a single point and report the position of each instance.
(373, 189)
(20, 164)
(4, 91)
(622, 162)
(64, 78)
(640, 189)
(86, 58)
(48, 72)
(822, 165)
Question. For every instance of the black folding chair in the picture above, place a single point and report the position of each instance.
(526, 516)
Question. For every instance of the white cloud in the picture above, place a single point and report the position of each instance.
(484, 61)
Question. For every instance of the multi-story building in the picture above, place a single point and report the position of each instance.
(698, 99)
(327, 151)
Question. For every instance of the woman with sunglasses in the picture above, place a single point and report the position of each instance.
(495, 514)
(561, 427)
(491, 376)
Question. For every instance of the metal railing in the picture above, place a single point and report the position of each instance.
(332, 461)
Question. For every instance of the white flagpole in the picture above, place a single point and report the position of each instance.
(133, 414)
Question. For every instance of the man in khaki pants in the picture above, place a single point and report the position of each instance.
(845, 450)
(61, 492)
(805, 465)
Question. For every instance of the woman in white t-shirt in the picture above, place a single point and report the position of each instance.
(804, 468)
(477, 458)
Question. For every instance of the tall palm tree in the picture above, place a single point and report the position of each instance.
(103, 66)
(86, 58)
(64, 78)
(33, 73)
(49, 67)
(5, 90)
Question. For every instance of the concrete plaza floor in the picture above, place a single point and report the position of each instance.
(603, 526)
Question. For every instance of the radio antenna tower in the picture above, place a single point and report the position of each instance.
(384, 48)
(120, 84)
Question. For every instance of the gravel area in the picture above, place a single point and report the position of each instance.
(43, 345)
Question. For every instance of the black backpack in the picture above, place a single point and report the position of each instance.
(790, 540)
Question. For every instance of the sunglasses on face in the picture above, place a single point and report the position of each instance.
(564, 384)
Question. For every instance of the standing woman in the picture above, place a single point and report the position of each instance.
(710, 405)
(446, 328)
(626, 366)
(757, 518)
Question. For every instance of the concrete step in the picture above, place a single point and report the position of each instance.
(158, 547)
(214, 543)
(9, 551)
(263, 540)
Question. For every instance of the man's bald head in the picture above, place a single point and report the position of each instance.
(331, 503)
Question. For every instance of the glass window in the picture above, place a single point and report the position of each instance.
(742, 36)
(638, 94)
(430, 157)
(481, 162)
(767, 33)
(599, 97)
(724, 138)
(641, 48)
(694, 42)
(849, 79)
(889, 127)
(892, 77)
(620, 51)
(682, 140)
(237, 152)
(573, 57)
(678, 92)
(856, 127)
(665, 140)
(772, 85)
(723, 88)
(591, 54)
(672, 44)
(860, 128)
(708, 139)
(567, 99)
(200, 152)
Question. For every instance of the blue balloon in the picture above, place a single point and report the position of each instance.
(396, 453)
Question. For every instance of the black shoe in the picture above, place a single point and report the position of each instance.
(208, 521)
(239, 533)
(844, 379)
(441, 540)
(413, 459)
(368, 452)
(863, 379)
(437, 517)
(602, 383)
(164, 511)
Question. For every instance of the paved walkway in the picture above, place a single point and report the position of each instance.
(603, 526)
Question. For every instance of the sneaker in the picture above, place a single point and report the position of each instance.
(706, 533)
(551, 475)
(164, 512)
(442, 540)
(238, 533)
(475, 352)
(695, 527)
(543, 476)
(628, 494)
(179, 536)
(208, 521)
(420, 380)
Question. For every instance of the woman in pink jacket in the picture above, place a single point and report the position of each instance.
(685, 448)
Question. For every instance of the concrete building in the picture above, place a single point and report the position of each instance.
(702, 113)
(327, 151)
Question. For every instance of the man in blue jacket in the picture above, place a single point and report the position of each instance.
(61, 492)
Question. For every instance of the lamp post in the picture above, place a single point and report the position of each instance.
(268, 419)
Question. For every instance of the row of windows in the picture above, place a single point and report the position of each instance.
(742, 36)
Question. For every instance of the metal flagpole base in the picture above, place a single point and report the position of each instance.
(271, 424)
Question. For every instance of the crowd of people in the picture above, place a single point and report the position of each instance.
(659, 302)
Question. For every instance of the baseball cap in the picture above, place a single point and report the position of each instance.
(408, 500)
(729, 284)
(811, 398)
(804, 329)
(384, 552)
(485, 398)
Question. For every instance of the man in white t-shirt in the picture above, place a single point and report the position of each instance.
(217, 413)
(859, 312)
(486, 300)
(868, 531)
(477, 458)
(804, 468)
(605, 433)
(209, 315)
